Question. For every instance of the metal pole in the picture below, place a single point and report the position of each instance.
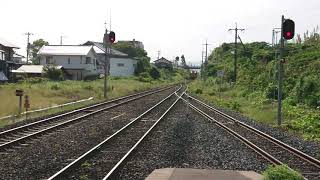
(105, 73)
(279, 117)
(235, 54)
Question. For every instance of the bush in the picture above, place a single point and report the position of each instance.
(51, 72)
(91, 77)
(154, 73)
(35, 80)
(144, 77)
(55, 87)
(198, 91)
(143, 65)
(281, 172)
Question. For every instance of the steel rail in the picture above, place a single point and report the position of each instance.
(51, 128)
(3, 133)
(257, 149)
(97, 147)
(285, 146)
(125, 157)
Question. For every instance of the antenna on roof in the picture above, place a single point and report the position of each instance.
(110, 19)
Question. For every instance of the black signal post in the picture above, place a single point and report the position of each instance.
(287, 33)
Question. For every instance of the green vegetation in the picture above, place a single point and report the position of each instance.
(52, 73)
(255, 93)
(34, 48)
(281, 172)
(44, 93)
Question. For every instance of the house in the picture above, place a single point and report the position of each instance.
(77, 60)
(31, 71)
(120, 63)
(6, 59)
(136, 44)
(163, 63)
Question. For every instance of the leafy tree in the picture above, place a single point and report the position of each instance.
(154, 73)
(129, 49)
(51, 72)
(143, 65)
(34, 49)
(183, 61)
(177, 60)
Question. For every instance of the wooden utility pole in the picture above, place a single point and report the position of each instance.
(236, 29)
(28, 44)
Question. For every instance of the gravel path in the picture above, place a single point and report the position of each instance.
(190, 142)
(310, 147)
(48, 154)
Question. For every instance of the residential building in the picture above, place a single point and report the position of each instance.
(120, 63)
(6, 59)
(77, 60)
(136, 44)
(163, 63)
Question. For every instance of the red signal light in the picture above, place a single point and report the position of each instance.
(112, 37)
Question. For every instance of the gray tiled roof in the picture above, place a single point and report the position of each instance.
(103, 49)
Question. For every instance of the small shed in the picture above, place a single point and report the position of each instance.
(31, 70)
(163, 63)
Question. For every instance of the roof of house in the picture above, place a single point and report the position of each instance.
(162, 60)
(3, 77)
(33, 69)
(100, 49)
(7, 43)
(72, 50)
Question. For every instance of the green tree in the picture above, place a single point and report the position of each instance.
(51, 72)
(129, 49)
(143, 65)
(154, 73)
(34, 49)
(183, 61)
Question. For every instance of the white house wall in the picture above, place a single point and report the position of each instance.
(76, 62)
(126, 70)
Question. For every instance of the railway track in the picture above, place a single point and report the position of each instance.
(273, 150)
(105, 159)
(20, 135)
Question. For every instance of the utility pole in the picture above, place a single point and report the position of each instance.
(236, 29)
(279, 116)
(28, 44)
(206, 58)
(61, 37)
(201, 71)
(159, 54)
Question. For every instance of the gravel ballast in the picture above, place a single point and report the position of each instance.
(190, 142)
(310, 147)
(49, 153)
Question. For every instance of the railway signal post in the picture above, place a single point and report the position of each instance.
(108, 39)
(287, 33)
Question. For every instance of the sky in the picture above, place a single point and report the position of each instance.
(173, 27)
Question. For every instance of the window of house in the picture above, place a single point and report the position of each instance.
(88, 60)
(69, 60)
(120, 64)
(2, 56)
(49, 60)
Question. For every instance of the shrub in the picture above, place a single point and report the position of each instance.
(198, 91)
(91, 77)
(55, 87)
(145, 77)
(51, 72)
(281, 172)
(35, 80)
(154, 73)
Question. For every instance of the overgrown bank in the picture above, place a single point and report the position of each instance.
(44, 93)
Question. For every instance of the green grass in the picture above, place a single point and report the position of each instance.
(296, 119)
(281, 172)
(49, 93)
